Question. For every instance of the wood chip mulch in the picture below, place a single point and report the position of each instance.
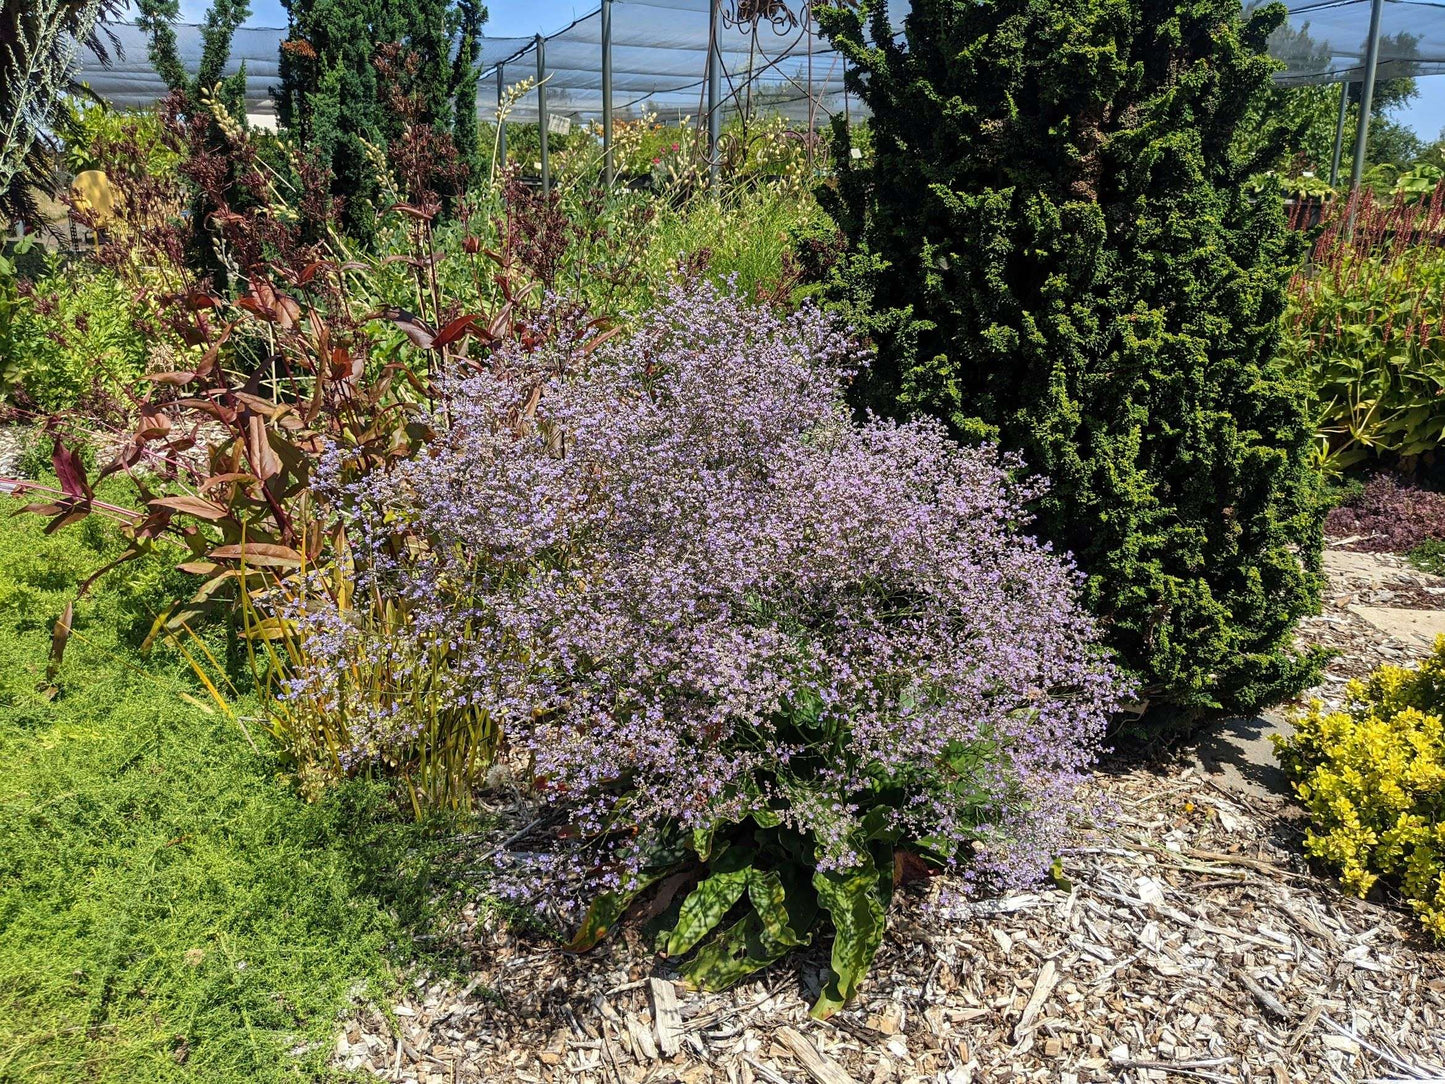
(1356, 579)
(1192, 944)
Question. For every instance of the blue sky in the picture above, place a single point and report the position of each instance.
(520, 18)
(1426, 114)
(508, 18)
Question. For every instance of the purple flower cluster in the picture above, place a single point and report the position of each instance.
(692, 586)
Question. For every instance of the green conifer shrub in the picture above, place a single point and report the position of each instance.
(158, 18)
(332, 97)
(1052, 244)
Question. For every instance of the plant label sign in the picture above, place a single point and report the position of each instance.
(559, 125)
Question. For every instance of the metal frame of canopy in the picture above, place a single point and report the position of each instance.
(1328, 41)
(679, 55)
(670, 47)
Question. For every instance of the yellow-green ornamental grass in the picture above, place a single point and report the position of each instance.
(1373, 779)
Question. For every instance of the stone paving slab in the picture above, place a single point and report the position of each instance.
(1237, 754)
(1423, 625)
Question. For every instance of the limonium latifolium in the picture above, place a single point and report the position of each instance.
(691, 585)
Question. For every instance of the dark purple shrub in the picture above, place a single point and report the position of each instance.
(733, 630)
(1389, 516)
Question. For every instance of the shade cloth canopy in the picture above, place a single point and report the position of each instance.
(1325, 40)
(659, 57)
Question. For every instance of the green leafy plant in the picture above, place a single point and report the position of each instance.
(89, 125)
(746, 236)
(157, 18)
(1052, 244)
(1365, 332)
(71, 336)
(339, 88)
(13, 303)
(1421, 181)
(757, 895)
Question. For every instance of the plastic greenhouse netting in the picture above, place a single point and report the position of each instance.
(774, 64)
(1325, 40)
(659, 63)
(130, 80)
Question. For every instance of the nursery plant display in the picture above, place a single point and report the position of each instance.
(1051, 243)
(899, 681)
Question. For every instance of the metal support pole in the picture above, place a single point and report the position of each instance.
(714, 92)
(812, 111)
(607, 93)
(1372, 58)
(542, 111)
(501, 123)
(1340, 133)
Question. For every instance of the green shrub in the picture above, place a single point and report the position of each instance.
(74, 336)
(89, 125)
(1365, 331)
(1052, 243)
(1373, 779)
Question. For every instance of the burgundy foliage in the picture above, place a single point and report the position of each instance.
(1389, 516)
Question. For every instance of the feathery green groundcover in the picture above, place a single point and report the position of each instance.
(168, 908)
(1053, 243)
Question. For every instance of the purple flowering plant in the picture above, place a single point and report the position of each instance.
(764, 660)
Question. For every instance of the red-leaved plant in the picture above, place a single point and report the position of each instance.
(297, 355)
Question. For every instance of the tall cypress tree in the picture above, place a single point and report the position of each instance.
(1054, 246)
(331, 93)
(157, 19)
(329, 98)
(470, 18)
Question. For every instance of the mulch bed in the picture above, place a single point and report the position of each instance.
(1192, 943)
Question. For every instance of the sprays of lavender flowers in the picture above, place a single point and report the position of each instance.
(691, 586)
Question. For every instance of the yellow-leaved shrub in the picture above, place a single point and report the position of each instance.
(1373, 778)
